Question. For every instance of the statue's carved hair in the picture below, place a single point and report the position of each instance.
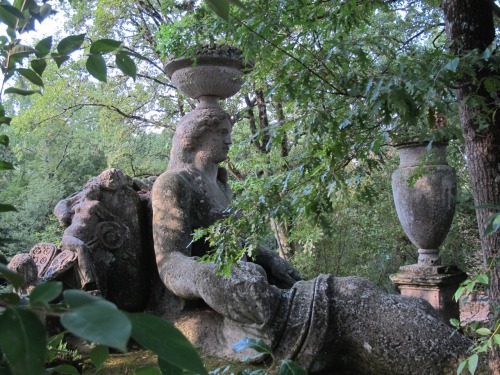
(191, 128)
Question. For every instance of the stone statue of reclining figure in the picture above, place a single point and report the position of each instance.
(328, 325)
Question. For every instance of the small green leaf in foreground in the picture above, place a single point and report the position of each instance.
(59, 59)
(31, 76)
(39, 65)
(168, 342)
(168, 368)
(289, 367)
(99, 355)
(23, 341)
(64, 369)
(13, 277)
(20, 49)
(4, 140)
(104, 46)
(13, 10)
(46, 292)
(42, 48)
(483, 331)
(126, 65)
(7, 207)
(96, 66)
(100, 322)
(77, 298)
(473, 360)
(13, 90)
(5, 165)
(493, 224)
(10, 299)
(220, 7)
(70, 44)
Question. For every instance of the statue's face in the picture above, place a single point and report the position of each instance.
(215, 144)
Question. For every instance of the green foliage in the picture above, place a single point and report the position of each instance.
(486, 338)
(87, 320)
(351, 79)
(285, 367)
(347, 88)
(20, 18)
(98, 355)
(58, 352)
(492, 224)
(171, 346)
(26, 349)
(23, 341)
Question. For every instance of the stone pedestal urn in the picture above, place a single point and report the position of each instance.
(425, 188)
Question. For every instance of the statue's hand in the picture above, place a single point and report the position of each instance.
(283, 272)
(245, 296)
(280, 271)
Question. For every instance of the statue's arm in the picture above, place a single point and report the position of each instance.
(245, 296)
(171, 200)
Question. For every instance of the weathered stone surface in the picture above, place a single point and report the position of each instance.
(25, 266)
(107, 246)
(426, 207)
(106, 229)
(44, 262)
(424, 188)
(214, 71)
(379, 333)
(328, 325)
(435, 284)
(62, 262)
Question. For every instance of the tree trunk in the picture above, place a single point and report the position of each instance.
(285, 248)
(469, 26)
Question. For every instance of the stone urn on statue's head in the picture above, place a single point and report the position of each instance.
(214, 72)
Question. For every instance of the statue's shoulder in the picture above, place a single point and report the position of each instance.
(176, 180)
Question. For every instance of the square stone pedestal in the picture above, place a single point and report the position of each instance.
(436, 284)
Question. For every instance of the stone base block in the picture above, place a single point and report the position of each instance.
(436, 284)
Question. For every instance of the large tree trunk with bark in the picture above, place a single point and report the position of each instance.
(469, 25)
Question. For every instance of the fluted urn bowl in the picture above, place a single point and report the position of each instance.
(424, 188)
(216, 76)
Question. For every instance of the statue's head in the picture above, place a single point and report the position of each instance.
(201, 130)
